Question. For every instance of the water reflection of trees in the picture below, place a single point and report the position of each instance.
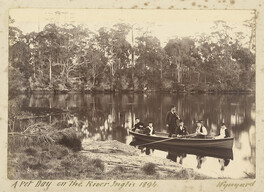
(120, 110)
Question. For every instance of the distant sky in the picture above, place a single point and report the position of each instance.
(164, 24)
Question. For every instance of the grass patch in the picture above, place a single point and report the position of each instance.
(56, 162)
(58, 151)
(73, 143)
(98, 163)
(31, 151)
(119, 169)
(149, 168)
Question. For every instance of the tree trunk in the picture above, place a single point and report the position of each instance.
(34, 72)
(112, 76)
(178, 75)
(50, 70)
(133, 59)
(93, 80)
(161, 71)
(67, 75)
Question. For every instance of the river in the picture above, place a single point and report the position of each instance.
(110, 116)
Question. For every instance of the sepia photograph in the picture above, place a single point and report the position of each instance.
(130, 94)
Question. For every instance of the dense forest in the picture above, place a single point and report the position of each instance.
(64, 58)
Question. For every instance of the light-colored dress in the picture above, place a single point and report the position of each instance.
(222, 133)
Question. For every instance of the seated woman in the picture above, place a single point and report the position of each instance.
(201, 131)
(224, 133)
(149, 130)
(139, 126)
(181, 130)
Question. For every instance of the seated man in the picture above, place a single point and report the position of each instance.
(138, 125)
(224, 133)
(181, 130)
(149, 130)
(201, 131)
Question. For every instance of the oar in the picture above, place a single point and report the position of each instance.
(158, 141)
(187, 136)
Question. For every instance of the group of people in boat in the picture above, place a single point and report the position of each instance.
(175, 127)
(141, 128)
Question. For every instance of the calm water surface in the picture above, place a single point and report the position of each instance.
(109, 117)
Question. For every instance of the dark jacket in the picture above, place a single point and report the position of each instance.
(227, 133)
(139, 126)
(181, 132)
(171, 121)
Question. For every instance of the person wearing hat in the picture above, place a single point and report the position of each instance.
(201, 131)
(171, 120)
(224, 133)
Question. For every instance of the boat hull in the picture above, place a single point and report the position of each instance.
(226, 143)
(179, 150)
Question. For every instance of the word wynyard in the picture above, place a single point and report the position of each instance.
(224, 184)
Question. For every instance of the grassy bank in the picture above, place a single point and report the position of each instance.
(59, 162)
(42, 152)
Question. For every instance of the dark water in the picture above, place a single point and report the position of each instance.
(110, 116)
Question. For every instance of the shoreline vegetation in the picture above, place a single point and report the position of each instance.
(69, 58)
(173, 91)
(129, 91)
(44, 152)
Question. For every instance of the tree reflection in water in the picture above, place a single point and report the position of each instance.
(109, 116)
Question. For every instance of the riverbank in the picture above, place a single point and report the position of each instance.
(127, 162)
(172, 91)
(96, 160)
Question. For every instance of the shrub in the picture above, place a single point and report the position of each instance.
(31, 151)
(149, 168)
(167, 84)
(88, 86)
(66, 163)
(124, 82)
(59, 151)
(136, 83)
(16, 81)
(73, 143)
(98, 163)
(45, 157)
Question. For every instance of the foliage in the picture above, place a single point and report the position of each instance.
(149, 168)
(69, 57)
(43, 134)
(98, 163)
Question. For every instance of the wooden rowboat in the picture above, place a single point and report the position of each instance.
(180, 150)
(207, 142)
